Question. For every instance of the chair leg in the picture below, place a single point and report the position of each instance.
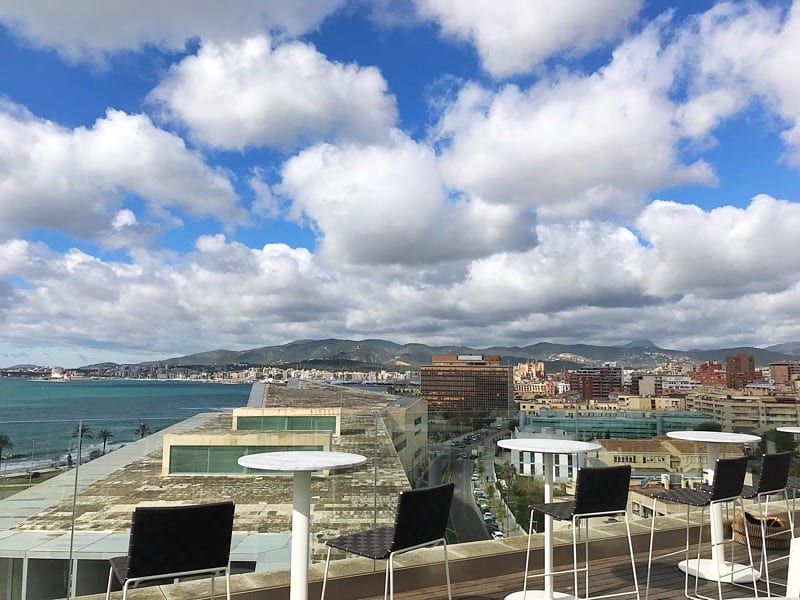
(228, 582)
(447, 569)
(688, 545)
(389, 578)
(763, 512)
(586, 557)
(574, 559)
(633, 560)
(213, 577)
(325, 575)
(650, 551)
(110, 580)
(749, 550)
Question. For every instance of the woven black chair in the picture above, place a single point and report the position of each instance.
(599, 492)
(727, 487)
(772, 481)
(420, 520)
(171, 542)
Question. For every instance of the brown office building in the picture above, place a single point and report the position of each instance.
(739, 370)
(597, 382)
(469, 383)
(785, 371)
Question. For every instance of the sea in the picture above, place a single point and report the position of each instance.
(40, 416)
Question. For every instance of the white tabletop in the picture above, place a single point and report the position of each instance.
(721, 437)
(301, 460)
(548, 445)
(789, 429)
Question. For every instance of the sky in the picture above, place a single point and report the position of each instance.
(191, 175)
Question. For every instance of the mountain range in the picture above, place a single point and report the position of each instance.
(374, 353)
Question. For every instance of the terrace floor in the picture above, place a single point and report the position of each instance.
(610, 575)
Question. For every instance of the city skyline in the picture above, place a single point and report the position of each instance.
(196, 177)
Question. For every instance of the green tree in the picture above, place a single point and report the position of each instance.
(781, 440)
(142, 430)
(82, 431)
(708, 426)
(105, 435)
(5, 442)
(524, 493)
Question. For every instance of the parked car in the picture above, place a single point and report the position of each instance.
(496, 535)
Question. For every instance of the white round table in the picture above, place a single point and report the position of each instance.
(548, 448)
(789, 429)
(301, 463)
(716, 568)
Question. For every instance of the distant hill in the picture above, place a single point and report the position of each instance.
(790, 348)
(375, 353)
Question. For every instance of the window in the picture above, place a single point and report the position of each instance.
(197, 460)
(287, 423)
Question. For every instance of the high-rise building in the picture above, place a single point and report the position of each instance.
(740, 370)
(470, 383)
(709, 373)
(596, 383)
(785, 371)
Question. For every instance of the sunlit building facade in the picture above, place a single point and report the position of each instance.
(469, 383)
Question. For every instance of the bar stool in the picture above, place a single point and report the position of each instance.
(726, 488)
(599, 492)
(772, 482)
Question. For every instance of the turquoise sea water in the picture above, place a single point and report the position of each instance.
(40, 416)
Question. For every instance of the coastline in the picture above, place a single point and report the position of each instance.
(40, 419)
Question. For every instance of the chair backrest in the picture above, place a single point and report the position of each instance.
(175, 539)
(774, 472)
(422, 515)
(602, 489)
(728, 477)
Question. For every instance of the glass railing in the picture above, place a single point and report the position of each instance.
(68, 485)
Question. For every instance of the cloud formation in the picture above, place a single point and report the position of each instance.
(582, 183)
(514, 36)
(248, 93)
(75, 180)
(95, 29)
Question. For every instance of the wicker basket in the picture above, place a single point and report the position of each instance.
(778, 535)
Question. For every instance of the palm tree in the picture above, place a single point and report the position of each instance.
(5, 442)
(105, 435)
(82, 431)
(142, 430)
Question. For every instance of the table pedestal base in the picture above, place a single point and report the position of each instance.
(537, 595)
(706, 568)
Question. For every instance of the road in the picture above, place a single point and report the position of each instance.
(467, 519)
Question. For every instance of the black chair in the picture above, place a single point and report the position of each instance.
(599, 492)
(170, 542)
(420, 520)
(727, 487)
(772, 481)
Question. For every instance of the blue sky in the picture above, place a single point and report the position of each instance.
(180, 177)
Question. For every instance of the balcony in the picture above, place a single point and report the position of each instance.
(479, 571)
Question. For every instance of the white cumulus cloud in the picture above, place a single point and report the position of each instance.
(73, 180)
(248, 93)
(91, 29)
(514, 36)
(385, 204)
